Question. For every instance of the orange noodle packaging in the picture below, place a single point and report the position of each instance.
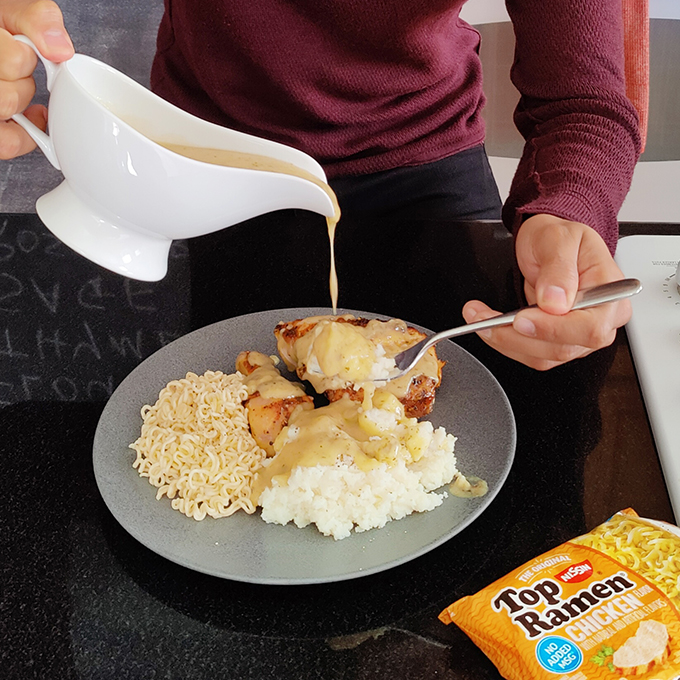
(604, 606)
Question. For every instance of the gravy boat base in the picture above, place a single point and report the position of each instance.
(113, 246)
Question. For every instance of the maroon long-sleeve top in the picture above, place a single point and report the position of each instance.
(364, 86)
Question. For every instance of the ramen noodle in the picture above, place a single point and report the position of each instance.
(196, 448)
(605, 605)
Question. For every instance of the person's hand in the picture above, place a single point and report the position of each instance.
(557, 258)
(42, 22)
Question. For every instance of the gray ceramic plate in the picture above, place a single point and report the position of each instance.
(470, 404)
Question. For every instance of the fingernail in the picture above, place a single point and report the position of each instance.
(57, 40)
(525, 327)
(470, 313)
(556, 295)
(485, 334)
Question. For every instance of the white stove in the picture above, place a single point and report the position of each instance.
(654, 336)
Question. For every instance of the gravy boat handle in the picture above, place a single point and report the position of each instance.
(41, 138)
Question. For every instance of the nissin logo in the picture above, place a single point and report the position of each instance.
(576, 572)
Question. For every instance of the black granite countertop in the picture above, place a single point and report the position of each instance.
(80, 598)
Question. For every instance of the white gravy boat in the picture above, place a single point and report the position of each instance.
(125, 197)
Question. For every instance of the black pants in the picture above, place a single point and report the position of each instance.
(460, 187)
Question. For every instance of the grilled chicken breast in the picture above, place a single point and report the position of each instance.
(648, 648)
(343, 355)
(272, 399)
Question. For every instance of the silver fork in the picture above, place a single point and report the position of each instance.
(589, 297)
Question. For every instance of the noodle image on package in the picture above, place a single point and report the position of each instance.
(602, 606)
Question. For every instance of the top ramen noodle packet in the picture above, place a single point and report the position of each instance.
(603, 606)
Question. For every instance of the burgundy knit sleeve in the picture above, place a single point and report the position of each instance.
(581, 131)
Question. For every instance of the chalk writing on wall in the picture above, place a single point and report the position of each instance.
(70, 330)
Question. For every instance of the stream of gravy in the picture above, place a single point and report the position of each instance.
(237, 159)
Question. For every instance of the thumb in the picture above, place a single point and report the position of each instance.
(548, 251)
(43, 23)
(557, 282)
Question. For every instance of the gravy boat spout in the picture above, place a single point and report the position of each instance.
(140, 172)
